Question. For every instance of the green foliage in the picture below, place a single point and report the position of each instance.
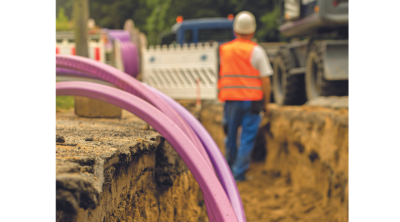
(269, 30)
(157, 21)
(62, 21)
(165, 12)
(65, 102)
(67, 5)
(112, 14)
(155, 16)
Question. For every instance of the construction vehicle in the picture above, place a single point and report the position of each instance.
(317, 65)
(186, 60)
(189, 52)
(185, 64)
(199, 31)
(209, 30)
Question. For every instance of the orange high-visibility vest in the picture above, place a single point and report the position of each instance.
(239, 80)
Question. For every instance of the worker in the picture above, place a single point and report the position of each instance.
(244, 86)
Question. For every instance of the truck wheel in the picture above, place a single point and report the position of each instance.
(271, 99)
(287, 89)
(316, 84)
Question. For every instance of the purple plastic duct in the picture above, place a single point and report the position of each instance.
(126, 58)
(129, 51)
(120, 35)
(130, 58)
(207, 180)
(67, 72)
(71, 72)
(219, 162)
(131, 85)
(135, 59)
(220, 165)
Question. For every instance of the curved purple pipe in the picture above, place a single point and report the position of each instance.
(135, 59)
(72, 72)
(130, 58)
(221, 166)
(121, 35)
(217, 159)
(207, 180)
(131, 85)
(66, 72)
(129, 50)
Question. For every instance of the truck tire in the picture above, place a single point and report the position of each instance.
(271, 98)
(287, 89)
(316, 84)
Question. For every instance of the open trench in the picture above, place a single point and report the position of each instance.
(299, 169)
(122, 170)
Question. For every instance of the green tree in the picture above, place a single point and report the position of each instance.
(62, 21)
(66, 5)
(164, 13)
(159, 19)
(113, 14)
(155, 16)
(269, 29)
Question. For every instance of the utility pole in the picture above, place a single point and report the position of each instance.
(80, 17)
(85, 106)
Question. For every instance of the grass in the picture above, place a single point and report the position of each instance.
(65, 102)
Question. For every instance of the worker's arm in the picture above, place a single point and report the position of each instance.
(266, 87)
(260, 61)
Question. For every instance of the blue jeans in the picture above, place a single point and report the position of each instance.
(238, 113)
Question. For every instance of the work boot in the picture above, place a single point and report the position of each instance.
(240, 178)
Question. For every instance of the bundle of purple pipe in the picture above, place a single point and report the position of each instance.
(182, 130)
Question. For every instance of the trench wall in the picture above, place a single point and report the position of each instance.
(152, 186)
(308, 147)
(115, 171)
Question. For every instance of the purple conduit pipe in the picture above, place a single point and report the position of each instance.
(71, 73)
(135, 60)
(131, 85)
(221, 166)
(126, 58)
(121, 35)
(129, 51)
(67, 72)
(207, 180)
(126, 82)
(130, 59)
(217, 159)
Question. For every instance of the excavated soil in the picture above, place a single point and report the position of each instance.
(125, 172)
(299, 169)
(120, 170)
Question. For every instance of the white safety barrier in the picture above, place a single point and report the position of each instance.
(182, 72)
(96, 49)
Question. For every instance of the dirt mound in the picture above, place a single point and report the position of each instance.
(113, 170)
(300, 164)
(308, 146)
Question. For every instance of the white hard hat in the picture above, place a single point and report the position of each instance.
(244, 23)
